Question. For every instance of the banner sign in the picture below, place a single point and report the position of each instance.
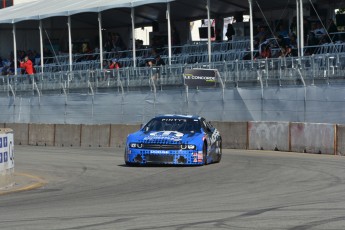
(200, 77)
(6, 150)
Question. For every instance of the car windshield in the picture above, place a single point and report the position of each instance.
(182, 125)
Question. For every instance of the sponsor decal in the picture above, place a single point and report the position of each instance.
(214, 137)
(195, 160)
(200, 77)
(200, 156)
(174, 120)
(159, 151)
(5, 142)
(165, 135)
(5, 157)
(206, 78)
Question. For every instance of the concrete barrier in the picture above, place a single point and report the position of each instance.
(95, 136)
(68, 135)
(282, 136)
(313, 138)
(340, 140)
(234, 134)
(119, 134)
(42, 134)
(6, 158)
(268, 136)
(21, 133)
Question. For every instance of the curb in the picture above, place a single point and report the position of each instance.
(38, 183)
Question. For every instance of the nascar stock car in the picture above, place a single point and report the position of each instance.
(174, 140)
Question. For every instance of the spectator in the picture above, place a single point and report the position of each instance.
(282, 30)
(280, 42)
(106, 64)
(286, 51)
(230, 32)
(312, 43)
(306, 27)
(27, 65)
(117, 42)
(266, 51)
(293, 41)
(150, 63)
(159, 61)
(114, 64)
(319, 31)
(107, 44)
(262, 34)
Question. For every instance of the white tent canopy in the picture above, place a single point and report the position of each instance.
(51, 8)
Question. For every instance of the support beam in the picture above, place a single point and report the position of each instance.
(70, 44)
(15, 50)
(133, 37)
(301, 27)
(298, 29)
(169, 33)
(41, 47)
(100, 40)
(251, 29)
(209, 31)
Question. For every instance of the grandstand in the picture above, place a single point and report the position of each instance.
(323, 67)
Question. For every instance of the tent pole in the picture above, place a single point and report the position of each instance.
(251, 29)
(70, 44)
(41, 46)
(169, 32)
(133, 38)
(100, 40)
(298, 29)
(301, 20)
(209, 31)
(15, 50)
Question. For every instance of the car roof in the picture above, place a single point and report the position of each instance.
(178, 116)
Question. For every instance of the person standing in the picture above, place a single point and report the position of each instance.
(27, 66)
(114, 64)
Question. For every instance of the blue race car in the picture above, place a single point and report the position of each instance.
(174, 140)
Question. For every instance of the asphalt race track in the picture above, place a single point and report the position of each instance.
(92, 189)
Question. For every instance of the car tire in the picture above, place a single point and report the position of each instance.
(220, 152)
(204, 153)
(129, 164)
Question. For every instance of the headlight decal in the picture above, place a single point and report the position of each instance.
(191, 147)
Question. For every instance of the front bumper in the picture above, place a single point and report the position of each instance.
(169, 157)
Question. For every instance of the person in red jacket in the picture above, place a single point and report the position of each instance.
(114, 64)
(27, 66)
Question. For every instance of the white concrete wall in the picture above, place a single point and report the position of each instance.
(6, 158)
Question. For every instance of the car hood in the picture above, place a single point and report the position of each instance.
(164, 137)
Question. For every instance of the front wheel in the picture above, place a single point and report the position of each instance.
(204, 153)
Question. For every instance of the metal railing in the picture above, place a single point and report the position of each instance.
(325, 67)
